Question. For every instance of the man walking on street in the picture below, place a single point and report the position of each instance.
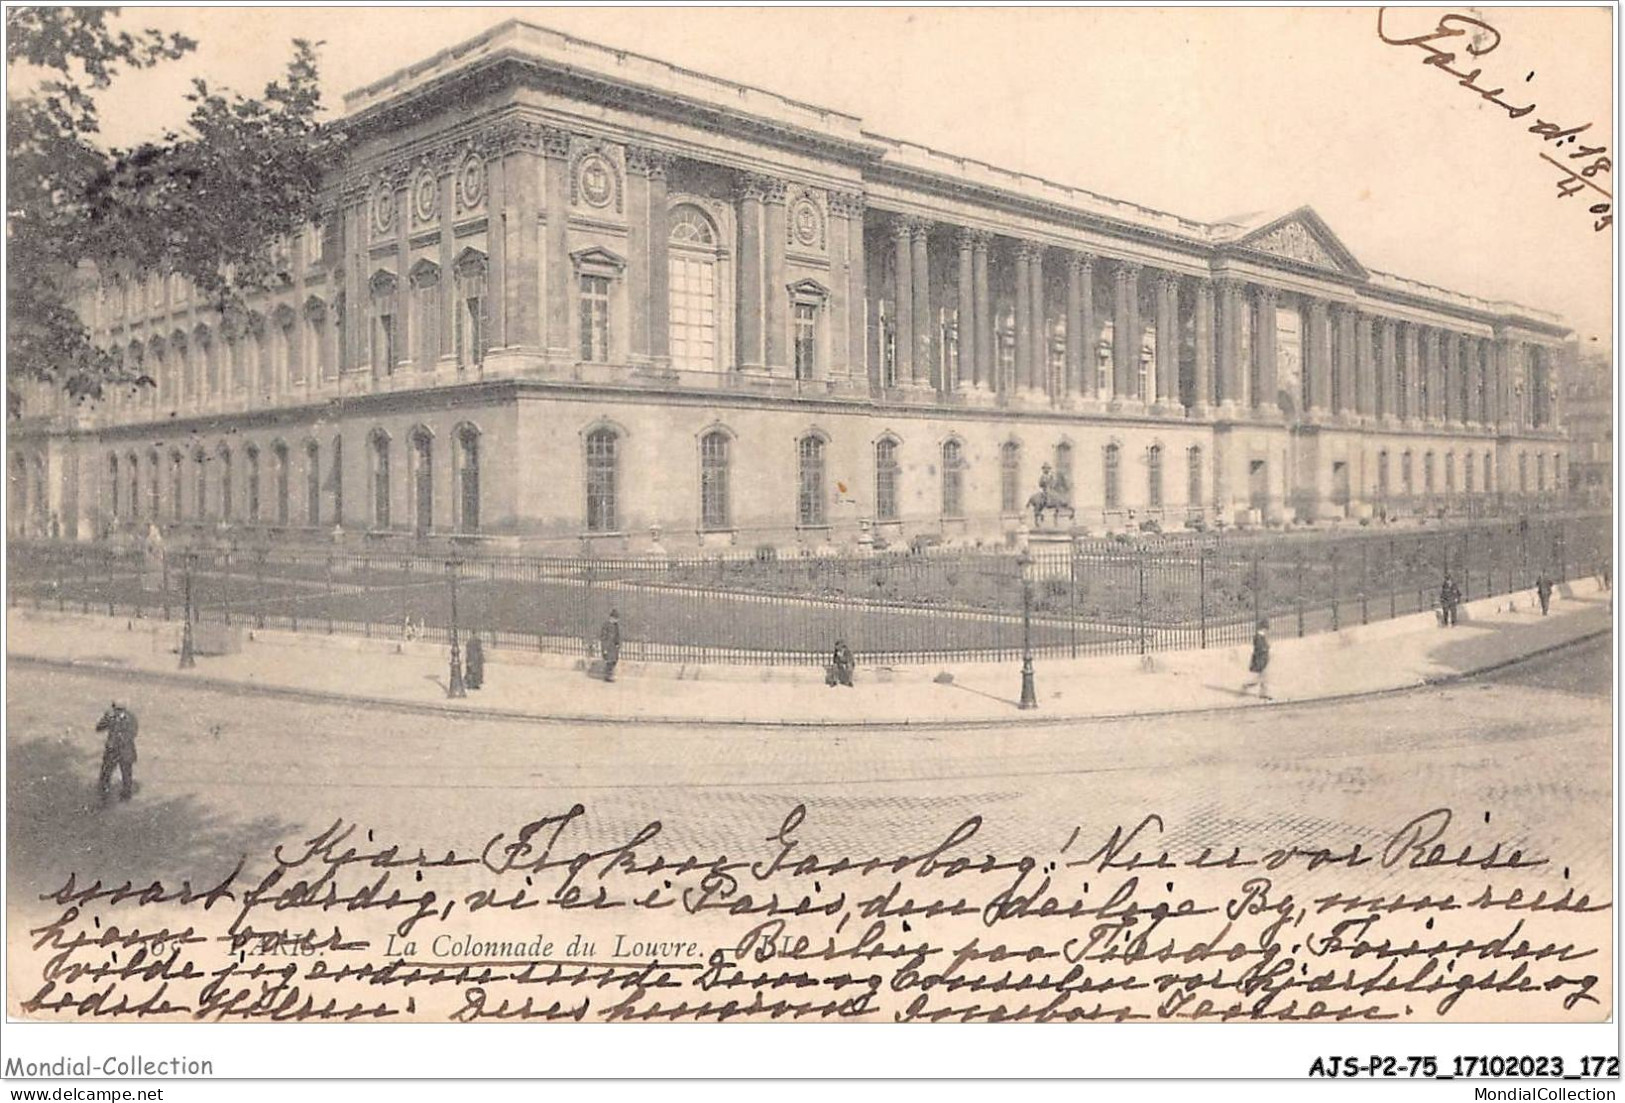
(609, 644)
(1260, 662)
(1543, 590)
(1449, 601)
(119, 752)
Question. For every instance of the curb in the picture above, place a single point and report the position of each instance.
(484, 713)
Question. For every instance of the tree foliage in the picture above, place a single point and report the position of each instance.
(205, 200)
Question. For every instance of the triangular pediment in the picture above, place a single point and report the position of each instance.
(1303, 238)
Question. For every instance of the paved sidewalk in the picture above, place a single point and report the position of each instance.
(1380, 657)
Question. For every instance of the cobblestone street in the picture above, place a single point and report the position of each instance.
(221, 775)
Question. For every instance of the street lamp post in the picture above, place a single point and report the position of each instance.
(188, 658)
(1029, 694)
(454, 686)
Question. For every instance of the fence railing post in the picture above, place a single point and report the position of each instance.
(1365, 582)
(1201, 594)
(1337, 611)
(259, 589)
(1072, 597)
(1393, 583)
(111, 591)
(329, 589)
(84, 598)
(1139, 563)
(163, 566)
(293, 598)
(225, 587)
(1562, 551)
(1298, 587)
(1258, 596)
(366, 597)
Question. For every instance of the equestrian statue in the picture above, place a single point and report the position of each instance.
(1054, 496)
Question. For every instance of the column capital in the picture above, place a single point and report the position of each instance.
(847, 204)
(1029, 250)
(1080, 262)
(555, 142)
(1125, 270)
(1167, 281)
(1266, 295)
(965, 238)
(645, 161)
(916, 225)
(766, 189)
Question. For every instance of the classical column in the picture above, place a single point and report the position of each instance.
(520, 179)
(965, 318)
(1364, 361)
(1318, 357)
(1343, 393)
(638, 256)
(986, 361)
(1202, 321)
(448, 260)
(1024, 317)
(652, 165)
(1450, 370)
(1229, 349)
(903, 301)
(1383, 392)
(1486, 380)
(846, 340)
(1125, 331)
(748, 301)
(775, 288)
(1266, 341)
(1039, 329)
(857, 283)
(1410, 405)
(1167, 340)
(1073, 382)
(926, 368)
(1088, 329)
(1433, 410)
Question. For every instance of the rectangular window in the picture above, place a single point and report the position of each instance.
(1113, 477)
(470, 334)
(810, 492)
(693, 314)
(888, 347)
(886, 481)
(714, 482)
(1154, 478)
(383, 344)
(806, 340)
(595, 319)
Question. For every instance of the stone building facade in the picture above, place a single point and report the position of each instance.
(570, 299)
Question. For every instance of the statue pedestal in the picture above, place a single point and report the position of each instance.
(1050, 550)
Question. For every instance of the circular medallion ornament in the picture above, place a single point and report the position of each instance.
(383, 209)
(471, 183)
(425, 195)
(804, 223)
(597, 182)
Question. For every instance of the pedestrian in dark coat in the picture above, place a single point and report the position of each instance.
(609, 644)
(1449, 602)
(474, 675)
(119, 752)
(1258, 666)
(841, 666)
(1543, 590)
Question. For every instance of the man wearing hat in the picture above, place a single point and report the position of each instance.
(609, 644)
(120, 725)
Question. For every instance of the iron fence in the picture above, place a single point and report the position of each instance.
(1094, 597)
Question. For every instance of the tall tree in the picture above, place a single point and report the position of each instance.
(205, 200)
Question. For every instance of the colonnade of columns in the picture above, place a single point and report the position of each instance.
(1220, 353)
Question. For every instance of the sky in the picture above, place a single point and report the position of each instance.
(1206, 113)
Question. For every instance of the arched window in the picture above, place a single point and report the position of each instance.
(279, 469)
(208, 364)
(1010, 477)
(234, 359)
(1153, 477)
(425, 314)
(378, 457)
(1449, 472)
(385, 323)
(200, 484)
(887, 476)
(1407, 479)
(1469, 473)
(317, 363)
(133, 468)
(422, 457)
(1523, 473)
(113, 486)
(603, 477)
(1540, 472)
(715, 504)
(1489, 473)
(466, 458)
(1427, 473)
(1193, 476)
(469, 325)
(287, 369)
(313, 483)
(953, 479)
(251, 485)
(692, 262)
(223, 458)
(810, 496)
(1382, 474)
(1112, 463)
(177, 491)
